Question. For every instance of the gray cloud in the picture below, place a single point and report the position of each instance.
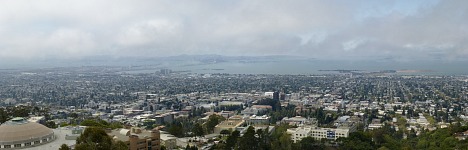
(397, 30)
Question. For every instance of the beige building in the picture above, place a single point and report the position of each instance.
(169, 141)
(20, 133)
(229, 124)
(138, 139)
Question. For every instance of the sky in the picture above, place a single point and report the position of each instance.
(322, 29)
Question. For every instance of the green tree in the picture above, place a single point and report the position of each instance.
(198, 130)
(231, 141)
(263, 139)
(119, 145)
(224, 132)
(383, 148)
(64, 147)
(176, 129)
(93, 138)
(283, 143)
(310, 143)
(188, 147)
(21, 111)
(449, 143)
(73, 115)
(248, 141)
(213, 120)
(115, 125)
(91, 122)
(3, 116)
(50, 124)
(357, 141)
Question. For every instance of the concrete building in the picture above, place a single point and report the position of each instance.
(138, 139)
(258, 120)
(250, 111)
(165, 118)
(38, 119)
(169, 141)
(227, 114)
(266, 107)
(20, 133)
(298, 133)
(230, 103)
(229, 124)
(318, 133)
(294, 120)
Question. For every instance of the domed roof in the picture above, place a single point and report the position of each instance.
(18, 129)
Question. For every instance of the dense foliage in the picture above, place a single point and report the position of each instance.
(10, 112)
(388, 138)
(383, 138)
(101, 123)
(96, 138)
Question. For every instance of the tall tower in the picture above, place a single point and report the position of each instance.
(276, 96)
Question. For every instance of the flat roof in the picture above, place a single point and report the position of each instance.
(121, 137)
(55, 144)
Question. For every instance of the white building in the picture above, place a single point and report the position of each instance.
(318, 133)
(298, 133)
(269, 94)
(294, 120)
(258, 120)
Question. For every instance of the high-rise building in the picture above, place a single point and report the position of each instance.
(276, 96)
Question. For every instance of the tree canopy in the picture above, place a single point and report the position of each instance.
(96, 138)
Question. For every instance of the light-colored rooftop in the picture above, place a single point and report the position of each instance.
(60, 139)
(122, 134)
(19, 129)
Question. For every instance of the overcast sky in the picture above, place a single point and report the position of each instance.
(351, 29)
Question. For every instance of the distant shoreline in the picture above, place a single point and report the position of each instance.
(414, 71)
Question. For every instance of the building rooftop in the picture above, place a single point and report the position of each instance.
(20, 129)
(122, 134)
(60, 135)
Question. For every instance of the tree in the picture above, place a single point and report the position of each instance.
(357, 141)
(309, 143)
(283, 143)
(115, 125)
(248, 141)
(64, 147)
(188, 147)
(3, 116)
(224, 132)
(383, 148)
(449, 142)
(90, 122)
(149, 124)
(73, 115)
(263, 139)
(231, 141)
(119, 145)
(21, 111)
(198, 130)
(176, 130)
(213, 120)
(93, 138)
(50, 124)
